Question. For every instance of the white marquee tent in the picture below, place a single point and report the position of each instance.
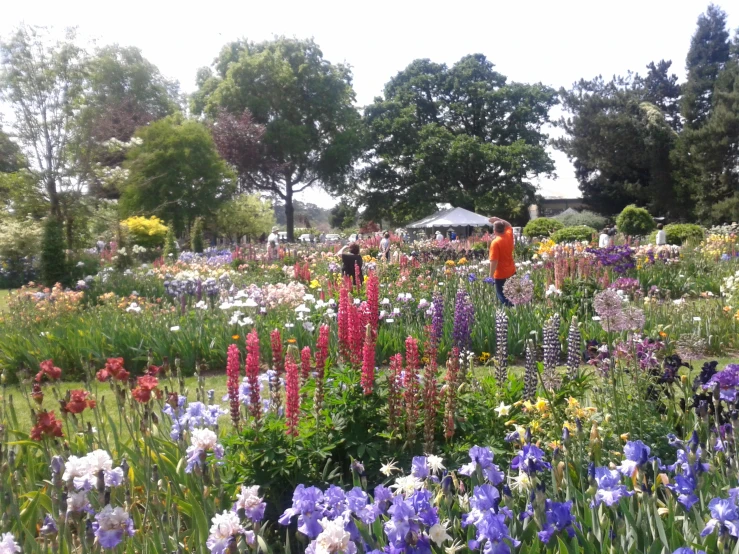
(458, 219)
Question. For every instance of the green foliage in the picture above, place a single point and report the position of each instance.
(289, 118)
(541, 227)
(460, 135)
(170, 246)
(572, 234)
(176, 173)
(343, 215)
(634, 221)
(726, 211)
(245, 215)
(53, 256)
(11, 158)
(196, 236)
(681, 233)
(19, 238)
(585, 217)
(145, 231)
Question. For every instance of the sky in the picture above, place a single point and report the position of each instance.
(553, 42)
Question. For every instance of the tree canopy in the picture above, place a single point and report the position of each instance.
(175, 173)
(459, 134)
(284, 117)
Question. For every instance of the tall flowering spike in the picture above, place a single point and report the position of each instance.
(344, 320)
(551, 347)
(501, 346)
(450, 392)
(233, 367)
(358, 277)
(304, 365)
(393, 392)
(464, 317)
(368, 361)
(573, 349)
(437, 320)
(530, 376)
(430, 404)
(252, 375)
(276, 341)
(373, 301)
(411, 386)
(356, 334)
(321, 357)
(292, 392)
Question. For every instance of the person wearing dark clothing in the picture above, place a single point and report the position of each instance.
(349, 260)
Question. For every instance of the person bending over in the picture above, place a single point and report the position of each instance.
(502, 266)
(349, 260)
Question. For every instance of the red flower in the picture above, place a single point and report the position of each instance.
(113, 369)
(154, 370)
(252, 374)
(146, 384)
(292, 393)
(50, 370)
(304, 365)
(47, 425)
(276, 341)
(37, 394)
(233, 368)
(368, 361)
(76, 402)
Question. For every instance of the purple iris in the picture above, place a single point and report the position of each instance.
(687, 550)
(419, 467)
(492, 530)
(684, 488)
(727, 381)
(724, 517)
(357, 501)
(559, 519)
(483, 458)
(636, 454)
(530, 460)
(307, 506)
(610, 490)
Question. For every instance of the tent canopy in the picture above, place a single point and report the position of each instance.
(451, 217)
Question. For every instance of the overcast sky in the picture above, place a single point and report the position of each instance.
(554, 42)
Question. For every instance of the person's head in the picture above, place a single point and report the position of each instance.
(660, 226)
(275, 229)
(499, 227)
(354, 248)
(386, 235)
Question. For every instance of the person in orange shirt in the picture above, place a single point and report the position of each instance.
(502, 266)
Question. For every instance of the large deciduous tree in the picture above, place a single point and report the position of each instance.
(42, 81)
(175, 173)
(461, 135)
(246, 215)
(292, 121)
(619, 138)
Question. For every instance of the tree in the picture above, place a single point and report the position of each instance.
(124, 92)
(635, 221)
(343, 215)
(246, 215)
(175, 173)
(311, 129)
(708, 54)
(53, 258)
(11, 158)
(196, 238)
(619, 140)
(170, 246)
(459, 135)
(42, 83)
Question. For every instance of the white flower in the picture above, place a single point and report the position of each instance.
(503, 410)
(438, 534)
(308, 326)
(77, 501)
(8, 544)
(521, 483)
(388, 468)
(435, 463)
(246, 321)
(396, 310)
(385, 301)
(455, 547)
(80, 264)
(203, 439)
(75, 467)
(407, 484)
(175, 328)
(97, 460)
(248, 497)
(226, 306)
(201, 305)
(224, 526)
(289, 325)
(111, 519)
(134, 307)
(302, 309)
(679, 301)
(422, 303)
(334, 538)
(250, 303)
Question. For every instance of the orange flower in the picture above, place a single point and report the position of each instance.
(662, 334)
(235, 337)
(146, 385)
(76, 402)
(50, 370)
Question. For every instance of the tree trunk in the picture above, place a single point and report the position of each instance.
(289, 211)
(54, 207)
(69, 228)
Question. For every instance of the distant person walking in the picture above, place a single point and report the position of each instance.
(272, 241)
(604, 240)
(385, 246)
(502, 266)
(661, 239)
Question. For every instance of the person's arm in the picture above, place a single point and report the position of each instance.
(493, 219)
(493, 267)
(340, 252)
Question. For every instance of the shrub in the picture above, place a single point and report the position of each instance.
(197, 236)
(573, 234)
(170, 247)
(145, 231)
(19, 242)
(590, 219)
(541, 227)
(679, 233)
(635, 221)
(53, 257)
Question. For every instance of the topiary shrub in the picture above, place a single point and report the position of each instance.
(635, 221)
(170, 246)
(197, 236)
(680, 233)
(145, 231)
(53, 256)
(574, 234)
(541, 227)
(585, 217)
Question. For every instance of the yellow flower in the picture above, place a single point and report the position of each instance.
(462, 261)
(314, 284)
(541, 404)
(624, 437)
(450, 263)
(573, 402)
(235, 337)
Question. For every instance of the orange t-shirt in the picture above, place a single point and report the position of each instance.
(501, 249)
